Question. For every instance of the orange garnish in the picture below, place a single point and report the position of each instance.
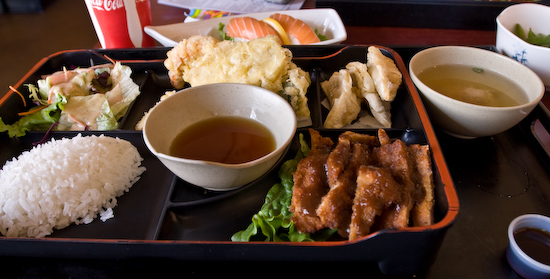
(78, 121)
(20, 95)
(36, 109)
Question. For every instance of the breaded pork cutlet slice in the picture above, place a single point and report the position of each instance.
(376, 191)
(395, 157)
(352, 151)
(422, 211)
(310, 185)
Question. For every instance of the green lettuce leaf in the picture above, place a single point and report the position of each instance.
(106, 120)
(78, 95)
(41, 120)
(96, 110)
(223, 34)
(320, 36)
(121, 76)
(272, 222)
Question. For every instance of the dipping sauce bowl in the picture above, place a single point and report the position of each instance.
(529, 238)
(192, 105)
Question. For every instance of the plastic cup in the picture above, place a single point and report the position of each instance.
(120, 23)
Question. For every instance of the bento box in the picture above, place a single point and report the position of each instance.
(165, 217)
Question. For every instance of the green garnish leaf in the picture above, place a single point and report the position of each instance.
(222, 33)
(41, 120)
(272, 222)
(320, 36)
(478, 70)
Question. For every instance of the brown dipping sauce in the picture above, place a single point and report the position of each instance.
(224, 139)
(535, 243)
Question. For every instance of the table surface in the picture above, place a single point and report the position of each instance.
(468, 251)
(498, 184)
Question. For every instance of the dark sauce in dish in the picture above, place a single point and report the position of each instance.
(535, 243)
(224, 139)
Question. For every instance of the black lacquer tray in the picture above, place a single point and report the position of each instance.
(163, 217)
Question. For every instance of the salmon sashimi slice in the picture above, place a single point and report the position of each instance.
(249, 28)
(296, 29)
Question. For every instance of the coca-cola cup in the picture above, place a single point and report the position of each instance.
(119, 23)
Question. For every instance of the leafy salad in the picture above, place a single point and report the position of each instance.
(272, 222)
(92, 98)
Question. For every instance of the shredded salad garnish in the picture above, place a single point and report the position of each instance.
(82, 99)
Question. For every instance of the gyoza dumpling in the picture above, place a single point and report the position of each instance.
(345, 106)
(366, 89)
(361, 78)
(384, 73)
(379, 109)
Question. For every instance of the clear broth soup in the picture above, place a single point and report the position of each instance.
(474, 85)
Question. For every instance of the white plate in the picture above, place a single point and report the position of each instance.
(326, 21)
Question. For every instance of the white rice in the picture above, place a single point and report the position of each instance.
(65, 181)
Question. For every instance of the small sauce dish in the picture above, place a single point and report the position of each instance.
(529, 240)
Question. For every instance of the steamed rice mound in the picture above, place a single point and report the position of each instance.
(65, 181)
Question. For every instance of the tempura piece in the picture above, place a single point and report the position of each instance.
(345, 106)
(262, 62)
(182, 57)
(295, 90)
(384, 73)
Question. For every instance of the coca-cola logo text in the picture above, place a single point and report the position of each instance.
(107, 5)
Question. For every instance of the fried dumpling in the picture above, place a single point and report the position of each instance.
(364, 88)
(379, 109)
(361, 78)
(345, 106)
(384, 73)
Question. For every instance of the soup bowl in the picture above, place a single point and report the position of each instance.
(189, 106)
(467, 120)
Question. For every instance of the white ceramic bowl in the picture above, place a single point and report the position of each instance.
(191, 105)
(524, 265)
(467, 120)
(536, 17)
